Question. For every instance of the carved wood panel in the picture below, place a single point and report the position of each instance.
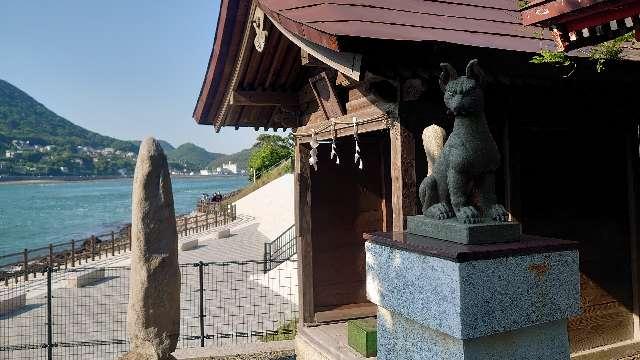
(326, 96)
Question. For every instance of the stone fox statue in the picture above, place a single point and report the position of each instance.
(462, 182)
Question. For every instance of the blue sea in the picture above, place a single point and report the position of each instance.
(33, 215)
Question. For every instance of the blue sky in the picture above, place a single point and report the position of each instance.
(124, 68)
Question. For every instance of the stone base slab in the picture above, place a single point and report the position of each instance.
(475, 298)
(401, 338)
(188, 245)
(84, 278)
(223, 234)
(486, 232)
(325, 342)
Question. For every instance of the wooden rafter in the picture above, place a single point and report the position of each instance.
(263, 98)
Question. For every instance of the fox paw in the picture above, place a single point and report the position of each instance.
(468, 215)
(440, 211)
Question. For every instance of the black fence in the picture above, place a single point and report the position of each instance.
(30, 263)
(280, 250)
(221, 303)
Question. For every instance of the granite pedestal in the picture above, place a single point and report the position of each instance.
(444, 300)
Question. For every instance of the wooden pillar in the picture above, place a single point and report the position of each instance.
(302, 198)
(403, 175)
(633, 144)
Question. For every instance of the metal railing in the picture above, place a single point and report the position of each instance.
(30, 263)
(280, 249)
(221, 303)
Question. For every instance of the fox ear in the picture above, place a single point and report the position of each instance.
(448, 74)
(474, 71)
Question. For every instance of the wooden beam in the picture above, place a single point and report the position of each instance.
(302, 198)
(307, 59)
(403, 175)
(263, 98)
(345, 62)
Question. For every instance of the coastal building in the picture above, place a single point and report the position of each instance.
(205, 172)
(231, 167)
(350, 75)
(9, 154)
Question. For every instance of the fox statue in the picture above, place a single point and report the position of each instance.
(461, 179)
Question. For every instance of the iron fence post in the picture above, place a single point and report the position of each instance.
(50, 255)
(73, 253)
(49, 316)
(201, 315)
(267, 257)
(93, 247)
(26, 265)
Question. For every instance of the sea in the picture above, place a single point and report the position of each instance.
(32, 215)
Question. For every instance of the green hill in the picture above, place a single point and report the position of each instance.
(23, 118)
(193, 155)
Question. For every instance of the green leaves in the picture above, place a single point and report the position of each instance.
(269, 150)
(551, 57)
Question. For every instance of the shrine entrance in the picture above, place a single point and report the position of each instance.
(346, 203)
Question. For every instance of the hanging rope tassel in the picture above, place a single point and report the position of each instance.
(313, 160)
(358, 158)
(334, 151)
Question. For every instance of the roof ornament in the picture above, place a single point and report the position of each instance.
(258, 25)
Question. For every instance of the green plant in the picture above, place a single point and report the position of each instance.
(269, 151)
(609, 51)
(557, 58)
(287, 331)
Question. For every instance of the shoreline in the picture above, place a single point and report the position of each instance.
(12, 180)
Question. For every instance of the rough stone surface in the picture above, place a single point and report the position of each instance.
(153, 317)
(475, 298)
(462, 183)
(485, 232)
(400, 338)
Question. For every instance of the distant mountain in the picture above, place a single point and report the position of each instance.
(193, 155)
(24, 118)
(166, 146)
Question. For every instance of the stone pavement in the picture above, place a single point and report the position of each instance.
(90, 322)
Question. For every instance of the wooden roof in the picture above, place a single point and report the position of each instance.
(237, 69)
(486, 23)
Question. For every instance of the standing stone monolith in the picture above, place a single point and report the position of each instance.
(153, 317)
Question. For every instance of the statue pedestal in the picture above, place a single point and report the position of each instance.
(443, 300)
(485, 232)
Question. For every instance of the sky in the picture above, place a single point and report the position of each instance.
(123, 68)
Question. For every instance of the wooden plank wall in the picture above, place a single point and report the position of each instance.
(347, 202)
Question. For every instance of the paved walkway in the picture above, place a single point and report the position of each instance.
(241, 303)
(90, 322)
